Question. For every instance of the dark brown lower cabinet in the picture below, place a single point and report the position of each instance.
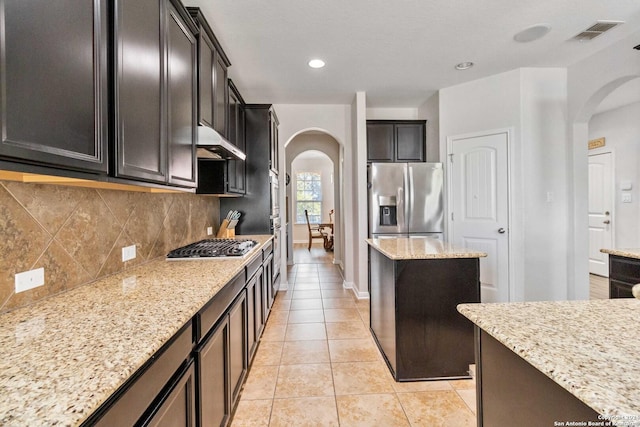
(268, 279)
(196, 378)
(212, 363)
(256, 310)
(511, 392)
(238, 344)
(414, 319)
(252, 298)
(259, 309)
(222, 365)
(132, 404)
(624, 273)
(178, 409)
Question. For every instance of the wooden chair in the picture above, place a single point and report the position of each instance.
(314, 232)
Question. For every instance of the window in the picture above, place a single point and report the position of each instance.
(309, 197)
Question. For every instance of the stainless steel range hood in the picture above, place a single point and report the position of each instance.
(213, 145)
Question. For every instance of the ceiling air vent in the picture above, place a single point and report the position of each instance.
(596, 29)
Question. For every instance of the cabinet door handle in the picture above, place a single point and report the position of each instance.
(501, 230)
(606, 221)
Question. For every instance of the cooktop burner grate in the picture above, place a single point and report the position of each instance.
(213, 248)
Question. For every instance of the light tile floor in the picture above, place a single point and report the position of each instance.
(317, 365)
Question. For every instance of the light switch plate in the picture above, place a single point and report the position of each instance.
(29, 279)
(209, 231)
(128, 253)
(626, 197)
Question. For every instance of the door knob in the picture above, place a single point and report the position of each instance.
(606, 221)
(501, 230)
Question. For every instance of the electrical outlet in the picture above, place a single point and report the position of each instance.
(128, 253)
(29, 279)
(209, 231)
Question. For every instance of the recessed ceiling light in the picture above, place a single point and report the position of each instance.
(464, 65)
(532, 33)
(316, 63)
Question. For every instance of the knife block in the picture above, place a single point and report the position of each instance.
(224, 232)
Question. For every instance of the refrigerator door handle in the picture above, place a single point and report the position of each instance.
(403, 201)
(410, 197)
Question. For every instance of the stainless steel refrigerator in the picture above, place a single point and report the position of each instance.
(405, 199)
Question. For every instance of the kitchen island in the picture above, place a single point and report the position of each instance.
(557, 363)
(415, 285)
(63, 358)
(624, 271)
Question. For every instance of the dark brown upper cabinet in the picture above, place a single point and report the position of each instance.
(54, 83)
(227, 177)
(155, 91)
(182, 96)
(236, 168)
(212, 77)
(273, 141)
(396, 140)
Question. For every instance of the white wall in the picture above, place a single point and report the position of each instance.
(392, 114)
(621, 128)
(430, 111)
(324, 166)
(358, 163)
(544, 155)
(335, 120)
(531, 102)
(589, 82)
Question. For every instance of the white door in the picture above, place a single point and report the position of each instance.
(600, 209)
(479, 203)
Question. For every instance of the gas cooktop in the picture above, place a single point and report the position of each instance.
(213, 248)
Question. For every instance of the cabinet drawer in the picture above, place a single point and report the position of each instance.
(145, 387)
(625, 269)
(253, 266)
(215, 308)
(619, 289)
(267, 250)
(178, 407)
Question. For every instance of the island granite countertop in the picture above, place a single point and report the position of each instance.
(403, 248)
(590, 348)
(62, 357)
(627, 253)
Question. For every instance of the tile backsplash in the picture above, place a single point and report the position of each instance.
(77, 234)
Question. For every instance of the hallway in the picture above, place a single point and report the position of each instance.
(317, 364)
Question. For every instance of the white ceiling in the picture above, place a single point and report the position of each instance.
(398, 51)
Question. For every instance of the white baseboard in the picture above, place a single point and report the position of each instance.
(356, 293)
(361, 294)
(284, 286)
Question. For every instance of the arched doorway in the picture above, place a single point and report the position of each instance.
(579, 130)
(325, 149)
(312, 190)
(614, 150)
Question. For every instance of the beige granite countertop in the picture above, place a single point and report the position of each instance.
(62, 357)
(590, 348)
(628, 253)
(399, 248)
